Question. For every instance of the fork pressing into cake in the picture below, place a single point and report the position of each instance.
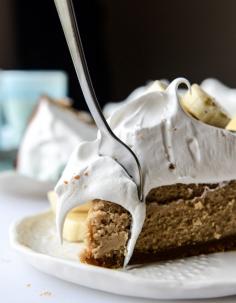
(110, 144)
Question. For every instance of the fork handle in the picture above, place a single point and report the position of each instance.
(67, 17)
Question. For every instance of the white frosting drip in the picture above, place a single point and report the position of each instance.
(51, 136)
(172, 147)
(225, 96)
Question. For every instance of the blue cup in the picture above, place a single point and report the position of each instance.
(19, 92)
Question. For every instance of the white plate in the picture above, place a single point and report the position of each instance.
(11, 182)
(198, 277)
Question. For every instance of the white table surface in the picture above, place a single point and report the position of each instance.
(19, 282)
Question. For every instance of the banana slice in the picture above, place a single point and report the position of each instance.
(74, 229)
(52, 197)
(232, 124)
(203, 107)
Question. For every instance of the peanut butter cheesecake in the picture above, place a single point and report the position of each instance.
(52, 134)
(189, 169)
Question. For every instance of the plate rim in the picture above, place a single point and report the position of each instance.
(40, 188)
(189, 285)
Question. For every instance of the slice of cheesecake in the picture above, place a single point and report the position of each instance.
(181, 221)
(53, 132)
(189, 187)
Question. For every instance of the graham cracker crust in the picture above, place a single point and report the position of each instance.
(222, 245)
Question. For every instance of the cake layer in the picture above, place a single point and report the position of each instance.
(181, 220)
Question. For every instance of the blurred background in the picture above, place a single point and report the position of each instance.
(126, 42)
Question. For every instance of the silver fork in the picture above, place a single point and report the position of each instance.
(110, 144)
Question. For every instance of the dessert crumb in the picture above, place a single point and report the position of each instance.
(86, 174)
(77, 177)
(45, 294)
(198, 205)
(197, 222)
(217, 236)
(65, 182)
(171, 166)
(28, 285)
(140, 136)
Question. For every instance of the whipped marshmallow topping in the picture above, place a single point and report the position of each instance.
(225, 97)
(49, 140)
(111, 107)
(171, 145)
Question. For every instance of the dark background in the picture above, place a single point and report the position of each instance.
(127, 42)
